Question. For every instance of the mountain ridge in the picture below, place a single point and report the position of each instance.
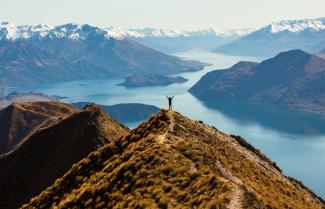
(305, 34)
(297, 26)
(85, 52)
(161, 32)
(19, 120)
(172, 41)
(9, 31)
(172, 161)
(50, 151)
(292, 79)
(71, 30)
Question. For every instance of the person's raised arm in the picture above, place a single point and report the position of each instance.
(173, 97)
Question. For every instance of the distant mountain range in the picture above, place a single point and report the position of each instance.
(165, 33)
(306, 34)
(165, 40)
(43, 54)
(172, 41)
(293, 79)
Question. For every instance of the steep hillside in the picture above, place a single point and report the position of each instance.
(50, 151)
(306, 34)
(171, 161)
(29, 55)
(21, 119)
(293, 79)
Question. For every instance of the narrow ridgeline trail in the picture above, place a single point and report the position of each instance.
(236, 197)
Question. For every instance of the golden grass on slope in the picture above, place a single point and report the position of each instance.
(136, 172)
(19, 120)
(194, 166)
(264, 183)
(48, 153)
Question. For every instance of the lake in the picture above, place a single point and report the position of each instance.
(294, 140)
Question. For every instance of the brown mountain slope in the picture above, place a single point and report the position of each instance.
(292, 79)
(173, 162)
(20, 119)
(48, 153)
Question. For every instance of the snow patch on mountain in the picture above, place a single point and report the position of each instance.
(297, 26)
(12, 32)
(8, 31)
(160, 32)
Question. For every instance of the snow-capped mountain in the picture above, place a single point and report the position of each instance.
(171, 41)
(76, 31)
(44, 54)
(297, 26)
(160, 32)
(12, 32)
(306, 34)
(160, 39)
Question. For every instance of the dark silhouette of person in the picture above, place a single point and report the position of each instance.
(170, 100)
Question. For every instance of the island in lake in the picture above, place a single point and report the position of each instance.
(151, 80)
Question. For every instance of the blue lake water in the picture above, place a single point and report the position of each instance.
(296, 141)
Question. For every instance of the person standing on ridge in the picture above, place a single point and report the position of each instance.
(170, 100)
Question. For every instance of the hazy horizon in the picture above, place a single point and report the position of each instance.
(180, 15)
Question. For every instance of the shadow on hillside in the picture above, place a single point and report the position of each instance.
(282, 120)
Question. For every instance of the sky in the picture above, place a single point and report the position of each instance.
(172, 14)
